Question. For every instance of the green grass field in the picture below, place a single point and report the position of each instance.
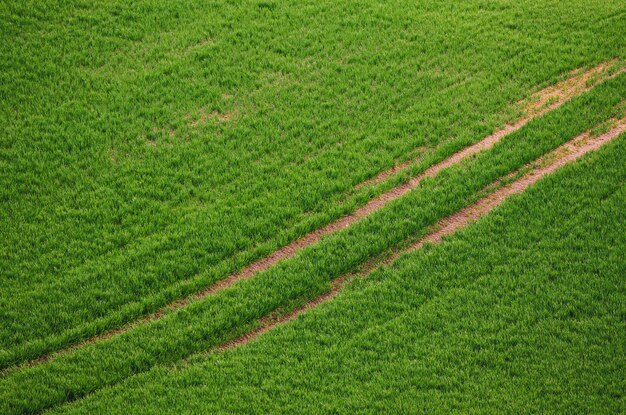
(523, 312)
(151, 149)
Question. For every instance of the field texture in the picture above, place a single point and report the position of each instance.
(180, 180)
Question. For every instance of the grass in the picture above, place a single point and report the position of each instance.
(150, 149)
(521, 312)
(231, 312)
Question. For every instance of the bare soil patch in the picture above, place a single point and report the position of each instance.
(204, 116)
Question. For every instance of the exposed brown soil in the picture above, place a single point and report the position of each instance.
(564, 154)
(203, 117)
(569, 88)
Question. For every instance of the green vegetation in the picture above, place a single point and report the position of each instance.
(231, 312)
(149, 149)
(522, 312)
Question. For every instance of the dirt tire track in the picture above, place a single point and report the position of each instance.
(538, 104)
(545, 100)
(567, 153)
(267, 323)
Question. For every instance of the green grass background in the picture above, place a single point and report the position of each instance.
(114, 202)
